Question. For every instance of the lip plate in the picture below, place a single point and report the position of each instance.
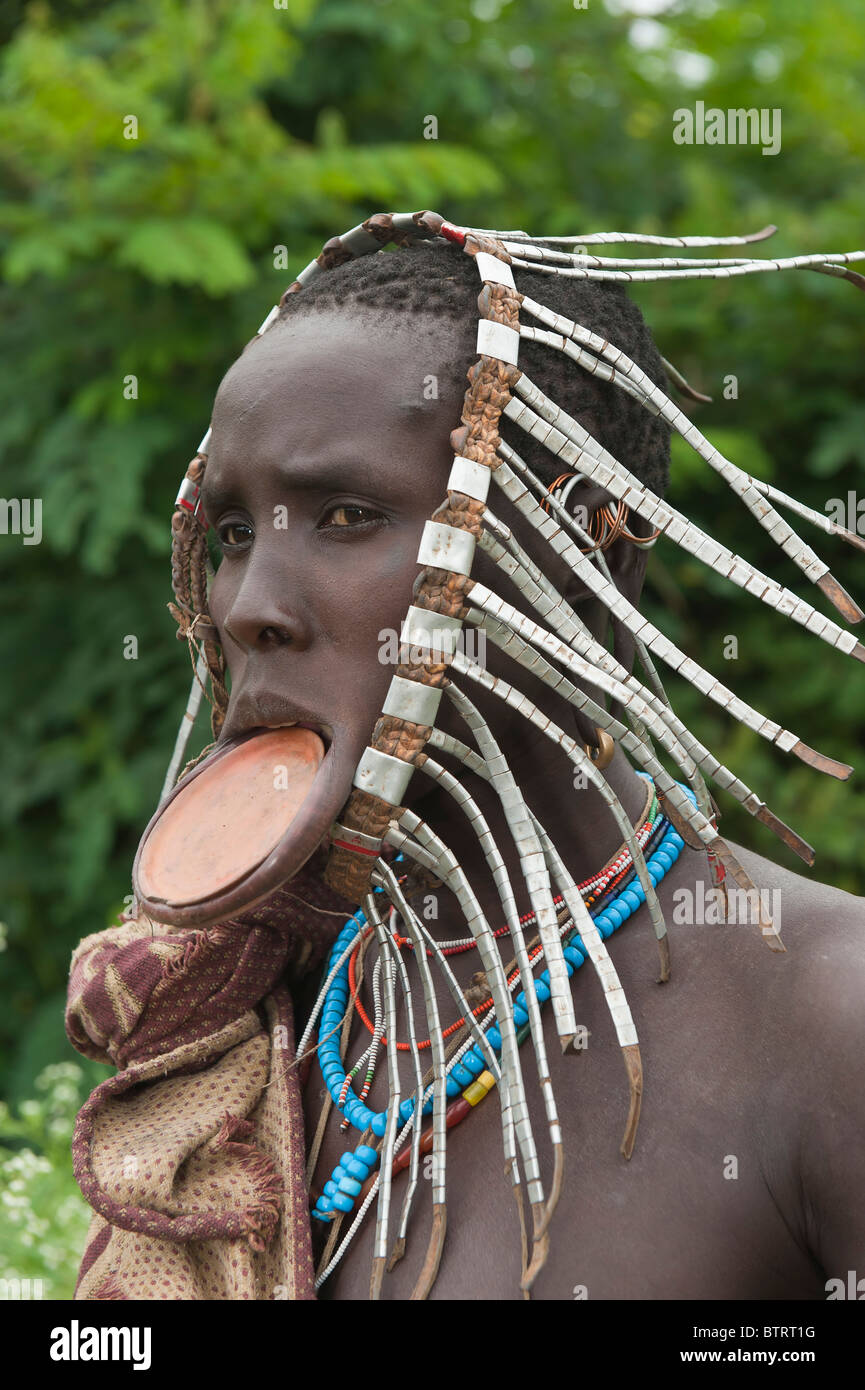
(324, 799)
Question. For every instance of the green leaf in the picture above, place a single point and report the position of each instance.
(190, 251)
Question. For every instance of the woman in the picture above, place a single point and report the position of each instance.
(370, 756)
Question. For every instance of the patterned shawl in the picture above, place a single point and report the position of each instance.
(192, 1155)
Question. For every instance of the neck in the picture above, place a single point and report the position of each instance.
(578, 822)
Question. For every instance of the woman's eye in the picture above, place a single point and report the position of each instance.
(351, 516)
(234, 533)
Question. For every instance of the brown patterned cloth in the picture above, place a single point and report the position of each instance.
(192, 1155)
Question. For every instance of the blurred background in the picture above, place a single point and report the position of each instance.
(154, 159)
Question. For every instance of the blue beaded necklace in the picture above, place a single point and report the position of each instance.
(346, 1181)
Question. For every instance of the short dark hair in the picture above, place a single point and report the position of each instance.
(437, 279)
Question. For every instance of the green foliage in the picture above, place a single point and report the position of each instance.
(44, 1217)
(147, 261)
(153, 258)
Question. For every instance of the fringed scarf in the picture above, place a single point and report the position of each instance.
(192, 1155)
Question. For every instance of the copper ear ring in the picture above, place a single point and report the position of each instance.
(558, 484)
(602, 752)
(606, 524)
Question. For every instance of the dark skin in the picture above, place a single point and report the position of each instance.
(747, 1054)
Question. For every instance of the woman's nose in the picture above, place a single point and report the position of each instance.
(268, 611)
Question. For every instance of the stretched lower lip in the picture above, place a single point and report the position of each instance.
(324, 734)
(313, 729)
(242, 823)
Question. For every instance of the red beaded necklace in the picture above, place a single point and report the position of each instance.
(605, 882)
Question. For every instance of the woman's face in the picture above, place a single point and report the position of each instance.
(327, 458)
(330, 450)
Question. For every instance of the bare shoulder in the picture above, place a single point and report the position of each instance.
(815, 1016)
(822, 927)
(816, 998)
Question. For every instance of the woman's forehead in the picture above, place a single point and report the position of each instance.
(325, 380)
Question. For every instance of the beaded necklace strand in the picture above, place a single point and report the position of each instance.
(468, 1079)
(592, 890)
(349, 1183)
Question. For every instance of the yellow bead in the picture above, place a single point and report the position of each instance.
(479, 1088)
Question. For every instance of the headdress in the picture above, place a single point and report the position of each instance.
(549, 640)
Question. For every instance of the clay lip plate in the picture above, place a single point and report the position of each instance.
(216, 829)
